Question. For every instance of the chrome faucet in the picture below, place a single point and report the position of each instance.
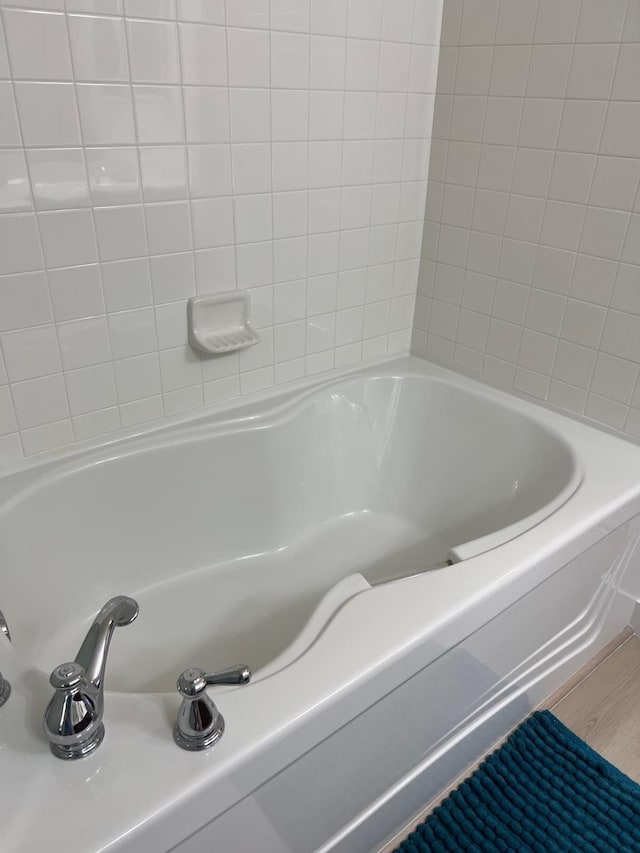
(73, 719)
(200, 724)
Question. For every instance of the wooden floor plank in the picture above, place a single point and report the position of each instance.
(585, 671)
(604, 710)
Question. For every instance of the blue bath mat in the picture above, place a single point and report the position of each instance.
(543, 791)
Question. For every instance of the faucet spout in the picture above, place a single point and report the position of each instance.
(73, 719)
(92, 655)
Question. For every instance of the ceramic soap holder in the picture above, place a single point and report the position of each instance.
(220, 322)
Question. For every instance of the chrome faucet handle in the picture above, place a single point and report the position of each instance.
(200, 725)
(73, 719)
(193, 681)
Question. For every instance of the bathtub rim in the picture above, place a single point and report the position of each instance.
(53, 465)
(27, 476)
(243, 410)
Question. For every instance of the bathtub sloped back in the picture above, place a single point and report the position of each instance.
(461, 464)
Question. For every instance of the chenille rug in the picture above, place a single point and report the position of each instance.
(543, 791)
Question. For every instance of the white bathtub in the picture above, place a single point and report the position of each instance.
(407, 560)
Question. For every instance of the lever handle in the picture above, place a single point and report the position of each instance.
(192, 682)
(238, 674)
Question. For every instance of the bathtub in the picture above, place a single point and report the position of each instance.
(408, 561)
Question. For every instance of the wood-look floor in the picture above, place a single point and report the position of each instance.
(601, 704)
(604, 709)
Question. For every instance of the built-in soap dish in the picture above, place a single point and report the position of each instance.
(220, 322)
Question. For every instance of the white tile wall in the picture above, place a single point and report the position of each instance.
(154, 149)
(530, 275)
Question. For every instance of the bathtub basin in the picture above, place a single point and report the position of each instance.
(241, 539)
(408, 561)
